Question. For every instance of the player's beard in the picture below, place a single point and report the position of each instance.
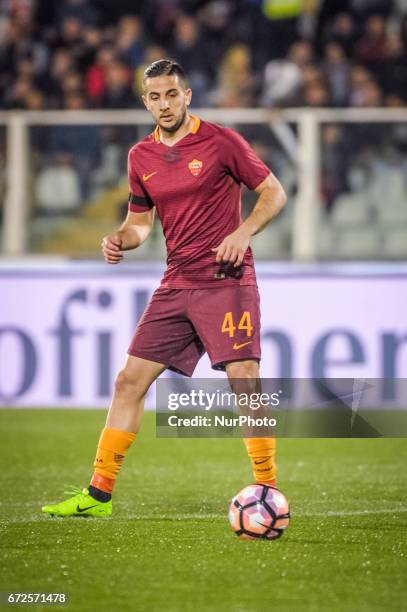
(174, 128)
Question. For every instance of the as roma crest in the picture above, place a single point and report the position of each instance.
(195, 167)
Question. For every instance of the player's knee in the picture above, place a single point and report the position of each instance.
(126, 384)
(243, 369)
(247, 386)
(243, 376)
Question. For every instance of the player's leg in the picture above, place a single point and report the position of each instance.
(122, 424)
(164, 338)
(244, 377)
(228, 322)
(131, 386)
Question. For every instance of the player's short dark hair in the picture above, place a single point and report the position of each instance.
(165, 67)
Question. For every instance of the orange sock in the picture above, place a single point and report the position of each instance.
(112, 448)
(262, 453)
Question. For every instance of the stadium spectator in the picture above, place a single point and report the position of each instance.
(364, 89)
(316, 94)
(34, 100)
(337, 73)
(72, 82)
(283, 77)
(160, 15)
(61, 65)
(18, 43)
(371, 49)
(190, 45)
(335, 153)
(370, 94)
(96, 74)
(342, 30)
(367, 93)
(70, 33)
(83, 10)
(62, 62)
(311, 74)
(76, 40)
(358, 77)
(191, 50)
(57, 187)
(92, 41)
(129, 43)
(16, 93)
(117, 91)
(237, 85)
(80, 142)
(394, 73)
(216, 18)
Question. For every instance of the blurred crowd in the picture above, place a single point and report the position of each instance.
(76, 54)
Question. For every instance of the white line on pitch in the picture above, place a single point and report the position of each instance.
(355, 512)
(208, 516)
(328, 513)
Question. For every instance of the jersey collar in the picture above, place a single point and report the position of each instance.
(195, 128)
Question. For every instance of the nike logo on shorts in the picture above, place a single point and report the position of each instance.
(237, 346)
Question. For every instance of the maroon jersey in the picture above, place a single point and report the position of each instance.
(195, 186)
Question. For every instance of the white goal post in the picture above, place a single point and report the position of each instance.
(303, 148)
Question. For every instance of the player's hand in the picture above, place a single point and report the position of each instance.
(112, 248)
(232, 248)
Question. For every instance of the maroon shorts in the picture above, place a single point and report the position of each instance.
(179, 325)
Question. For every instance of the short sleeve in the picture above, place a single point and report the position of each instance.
(241, 160)
(139, 200)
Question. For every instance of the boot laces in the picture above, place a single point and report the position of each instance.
(72, 490)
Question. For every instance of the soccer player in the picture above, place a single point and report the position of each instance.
(188, 172)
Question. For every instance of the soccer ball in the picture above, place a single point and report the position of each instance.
(259, 512)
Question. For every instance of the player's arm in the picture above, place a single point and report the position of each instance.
(272, 199)
(130, 235)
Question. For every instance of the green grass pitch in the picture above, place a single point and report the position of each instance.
(168, 546)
